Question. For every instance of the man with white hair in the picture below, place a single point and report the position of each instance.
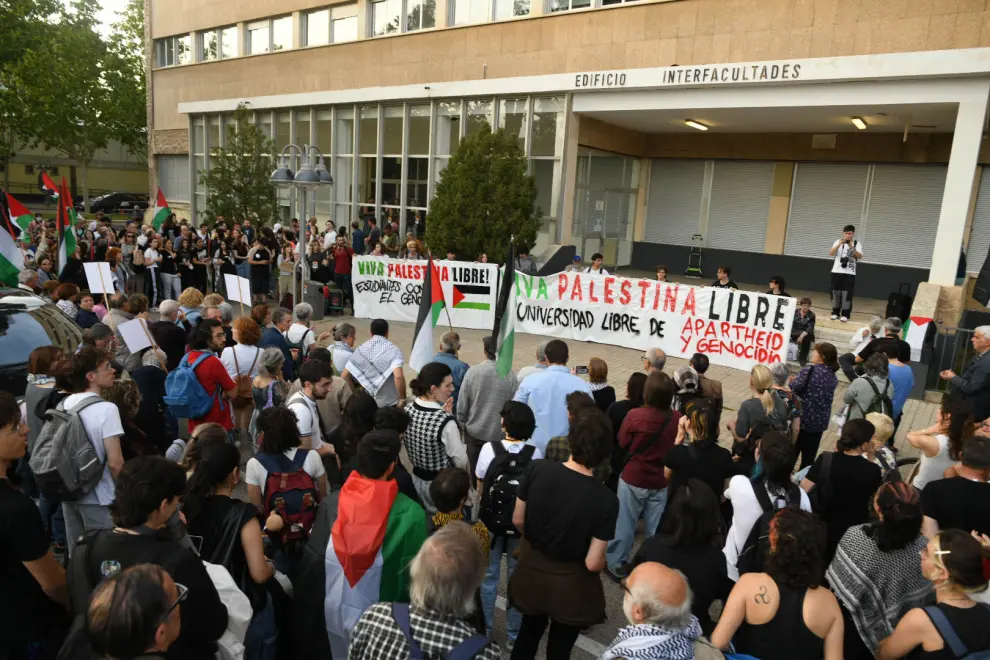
(299, 335)
(170, 332)
(450, 344)
(657, 604)
(541, 362)
(974, 383)
(654, 360)
(445, 574)
(28, 280)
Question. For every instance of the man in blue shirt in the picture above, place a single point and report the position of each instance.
(357, 239)
(450, 344)
(274, 337)
(546, 394)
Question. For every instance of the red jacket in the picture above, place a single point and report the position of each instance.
(645, 470)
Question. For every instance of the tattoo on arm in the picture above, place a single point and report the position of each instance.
(762, 598)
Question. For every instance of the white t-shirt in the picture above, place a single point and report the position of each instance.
(102, 421)
(487, 455)
(151, 257)
(340, 358)
(932, 469)
(307, 419)
(746, 510)
(295, 334)
(248, 359)
(600, 271)
(846, 252)
(257, 475)
(329, 239)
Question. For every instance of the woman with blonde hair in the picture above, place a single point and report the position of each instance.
(191, 304)
(763, 406)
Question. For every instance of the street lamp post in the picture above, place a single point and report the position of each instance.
(312, 175)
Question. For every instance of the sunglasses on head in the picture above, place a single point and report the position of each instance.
(183, 592)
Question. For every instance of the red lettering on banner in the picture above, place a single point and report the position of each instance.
(670, 299)
(625, 288)
(444, 274)
(644, 285)
(561, 285)
(725, 326)
(609, 283)
(576, 289)
(710, 330)
(689, 303)
(591, 292)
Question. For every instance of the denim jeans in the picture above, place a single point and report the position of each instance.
(82, 518)
(260, 642)
(489, 588)
(634, 503)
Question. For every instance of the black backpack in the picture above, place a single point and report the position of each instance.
(300, 345)
(881, 402)
(821, 494)
(81, 585)
(498, 499)
(753, 557)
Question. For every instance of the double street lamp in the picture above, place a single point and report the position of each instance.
(311, 177)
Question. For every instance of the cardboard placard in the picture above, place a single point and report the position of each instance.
(136, 335)
(238, 288)
(99, 279)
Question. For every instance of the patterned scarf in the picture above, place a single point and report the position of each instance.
(595, 387)
(655, 642)
(373, 363)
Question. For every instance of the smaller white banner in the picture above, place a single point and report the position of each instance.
(238, 288)
(136, 335)
(99, 279)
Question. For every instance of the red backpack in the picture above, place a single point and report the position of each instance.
(292, 493)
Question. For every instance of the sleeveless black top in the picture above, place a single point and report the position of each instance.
(972, 625)
(785, 636)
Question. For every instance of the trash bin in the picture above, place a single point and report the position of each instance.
(313, 294)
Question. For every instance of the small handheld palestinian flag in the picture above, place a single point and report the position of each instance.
(19, 215)
(49, 186)
(162, 211)
(915, 331)
(11, 260)
(430, 305)
(504, 331)
(65, 226)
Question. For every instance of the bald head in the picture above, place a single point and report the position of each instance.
(658, 595)
(654, 360)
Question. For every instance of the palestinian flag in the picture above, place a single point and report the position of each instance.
(472, 296)
(162, 211)
(915, 331)
(377, 534)
(65, 226)
(49, 186)
(11, 261)
(19, 215)
(505, 318)
(430, 305)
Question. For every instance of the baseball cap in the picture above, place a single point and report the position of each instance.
(686, 379)
(277, 227)
(577, 257)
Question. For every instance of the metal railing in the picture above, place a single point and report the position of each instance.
(953, 348)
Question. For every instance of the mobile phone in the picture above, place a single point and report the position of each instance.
(581, 370)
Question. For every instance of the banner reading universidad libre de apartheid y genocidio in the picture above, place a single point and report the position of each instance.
(734, 328)
(391, 289)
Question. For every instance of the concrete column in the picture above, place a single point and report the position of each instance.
(242, 39)
(958, 189)
(570, 178)
(642, 198)
(297, 29)
(780, 206)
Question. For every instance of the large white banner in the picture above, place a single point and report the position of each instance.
(734, 328)
(391, 289)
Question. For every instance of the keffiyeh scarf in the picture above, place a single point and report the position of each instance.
(654, 642)
(598, 386)
(373, 363)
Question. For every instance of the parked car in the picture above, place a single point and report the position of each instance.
(117, 201)
(28, 321)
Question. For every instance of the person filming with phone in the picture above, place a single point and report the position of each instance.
(846, 252)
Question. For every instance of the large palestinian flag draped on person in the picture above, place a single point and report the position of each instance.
(377, 533)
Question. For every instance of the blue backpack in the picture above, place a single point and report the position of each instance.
(185, 396)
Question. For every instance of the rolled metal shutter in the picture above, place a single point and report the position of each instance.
(825, 198)
(674, 212)
(902, 217)
(740, 205)
(979, 239)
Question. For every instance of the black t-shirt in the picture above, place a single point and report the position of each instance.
(565, 510)
(704, 567)
(711, 464)
(219, 524)
(903, 349)
(26, 613)
(204, 616)
(854, 481)
(958, 503)
(728, 285)
(167, 265)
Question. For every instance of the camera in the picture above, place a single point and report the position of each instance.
(844, 262)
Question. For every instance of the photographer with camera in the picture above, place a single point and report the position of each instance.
(846, 251)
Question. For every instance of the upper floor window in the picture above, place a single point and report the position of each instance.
(466, 12)
(172, 51)
(565, 5)
(269, 35)
(331, 26)
(392, 16)
(218, 44)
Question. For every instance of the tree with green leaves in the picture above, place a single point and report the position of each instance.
(123, 74)
(238, 182)
(61, 80)
(484, 198)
